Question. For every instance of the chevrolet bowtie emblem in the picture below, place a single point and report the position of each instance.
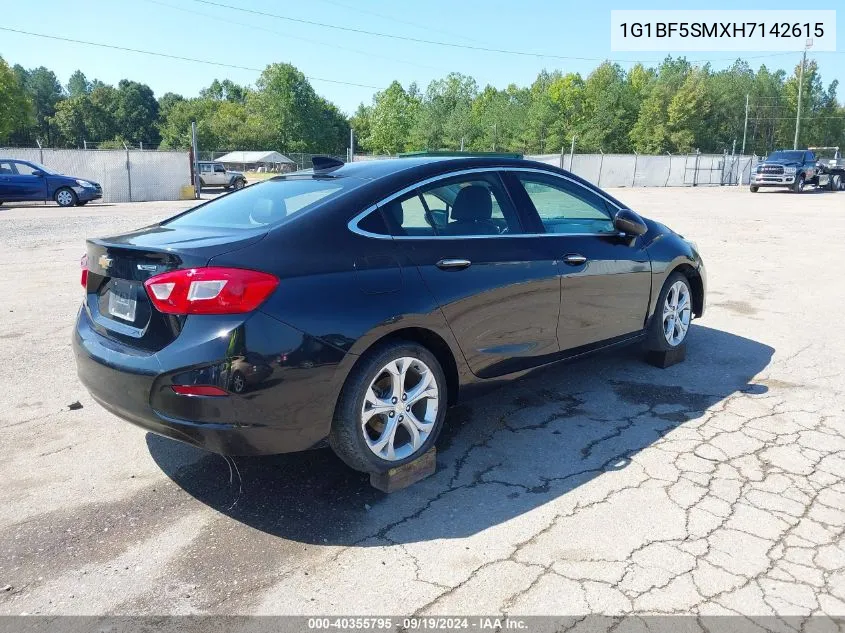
(104, 261)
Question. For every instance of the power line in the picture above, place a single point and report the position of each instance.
(227, 20)
(485, 49)
(169, 56)
(400, 21)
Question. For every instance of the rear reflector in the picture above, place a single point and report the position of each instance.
(83, 263)
(210, 290)
(198, 390)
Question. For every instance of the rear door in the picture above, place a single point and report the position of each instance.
(496, 286)
(605, 278)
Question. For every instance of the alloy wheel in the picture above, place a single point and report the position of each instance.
(677, 311)
(400, 408)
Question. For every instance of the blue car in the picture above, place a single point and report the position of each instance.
(23, 181)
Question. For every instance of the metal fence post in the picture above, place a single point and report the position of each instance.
(561, 156)
(634, 179)
(128, 171)
(601, 164)
(695, 169)
(669, 174)
(40, 152)
(572, 153)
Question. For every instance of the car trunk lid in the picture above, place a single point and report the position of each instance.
(118, 266)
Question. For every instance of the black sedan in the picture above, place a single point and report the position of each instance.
(371, 296)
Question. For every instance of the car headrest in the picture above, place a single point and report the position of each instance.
(472, 204)
(394, 212)
(267, 211)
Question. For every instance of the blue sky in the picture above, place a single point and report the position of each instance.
(187, 28)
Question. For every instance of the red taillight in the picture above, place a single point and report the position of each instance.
(210, 290)
(83, 263)
(198, 390)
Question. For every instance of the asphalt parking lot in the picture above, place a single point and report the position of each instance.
(716, 486)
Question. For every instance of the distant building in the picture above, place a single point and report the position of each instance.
(257, 161)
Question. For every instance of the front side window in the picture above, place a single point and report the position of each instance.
(566, 208)
(220, 169)
(474, 205)
(264, 204)
(25, 170)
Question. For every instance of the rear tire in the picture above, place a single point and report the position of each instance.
(754, 188)
(66, 197)
(798, 185)
(835, 183)
(670, 323)
(391, 408)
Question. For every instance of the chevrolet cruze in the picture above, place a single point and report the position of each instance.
(350, 305)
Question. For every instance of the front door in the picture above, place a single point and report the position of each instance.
(496, 286)
(25, 185)
(605, 277)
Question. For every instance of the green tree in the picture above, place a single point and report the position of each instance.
(78, 85)
(16, 109)
(391, 118)
(45, 91)
(136, 114)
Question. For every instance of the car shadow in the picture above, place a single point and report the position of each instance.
(532, 440)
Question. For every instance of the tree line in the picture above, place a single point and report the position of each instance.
(674, 107)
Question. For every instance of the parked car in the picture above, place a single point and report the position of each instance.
(22, 181)
(216, 175)
(379, 294)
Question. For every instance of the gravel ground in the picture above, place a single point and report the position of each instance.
(713, 487)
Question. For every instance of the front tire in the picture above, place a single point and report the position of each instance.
(238, 184)
(391, 408)
(672, 316)
(798, 185)
(66, 197)
(754, 188)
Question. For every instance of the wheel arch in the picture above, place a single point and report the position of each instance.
(434, 343)
(696, 285)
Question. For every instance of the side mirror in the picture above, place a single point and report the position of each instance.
(38, 173)
(629, 222)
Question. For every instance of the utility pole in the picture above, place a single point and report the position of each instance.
(800, 91)
(744, 127)
(197, 181)
(351, 145)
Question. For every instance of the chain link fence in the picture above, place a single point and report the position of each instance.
(645, 170)
(125, 175)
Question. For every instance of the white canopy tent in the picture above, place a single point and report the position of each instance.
(250, 161)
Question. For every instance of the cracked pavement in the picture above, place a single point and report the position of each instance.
(714, 487)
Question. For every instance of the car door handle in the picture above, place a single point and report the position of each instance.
(574, 259)
(453, 264)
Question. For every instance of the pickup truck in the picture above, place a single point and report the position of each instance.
(794, 169)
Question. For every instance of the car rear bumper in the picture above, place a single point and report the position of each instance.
(286, 407)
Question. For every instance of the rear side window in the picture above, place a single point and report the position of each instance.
(467, 206)
(264, 204)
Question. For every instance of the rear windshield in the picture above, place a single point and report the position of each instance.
(265, 204)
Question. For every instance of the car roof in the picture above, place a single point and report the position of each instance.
(379, 168)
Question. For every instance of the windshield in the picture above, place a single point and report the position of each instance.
(790, 156)
(264, 204)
